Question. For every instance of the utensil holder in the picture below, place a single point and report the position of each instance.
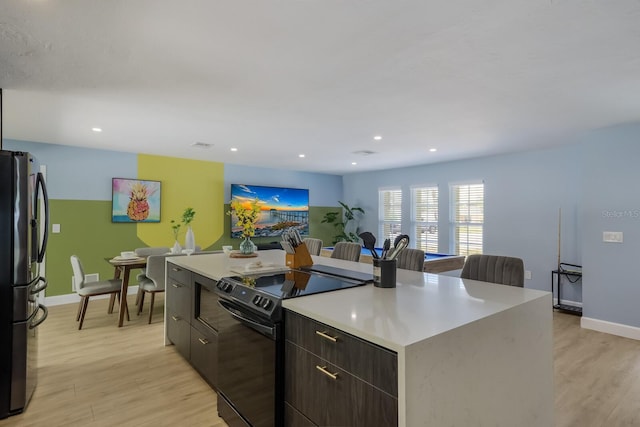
(384, 273)
(300, 258)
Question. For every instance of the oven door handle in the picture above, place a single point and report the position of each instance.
(268, 330)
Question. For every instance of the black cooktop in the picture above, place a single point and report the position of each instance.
(296, 283)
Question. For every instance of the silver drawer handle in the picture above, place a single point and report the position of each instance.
(176, 269)
(323, 369)
(203, 341)
(175, 285)
(329, 337)
(176, 318)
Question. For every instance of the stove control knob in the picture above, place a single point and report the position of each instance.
(257, 300)
(227, 287)
(267, 303)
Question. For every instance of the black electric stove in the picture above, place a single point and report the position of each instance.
(263, 294)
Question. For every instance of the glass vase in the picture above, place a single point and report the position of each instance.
(190, 240)
(247, 247)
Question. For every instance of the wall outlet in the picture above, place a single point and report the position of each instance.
(612, 236)
(527, 275)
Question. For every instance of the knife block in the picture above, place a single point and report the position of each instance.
(300, 258)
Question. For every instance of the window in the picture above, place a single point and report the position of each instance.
(424, 221)
(467, 217)
(390, 213)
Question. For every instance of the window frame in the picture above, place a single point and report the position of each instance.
(382, 222)
(430, 245)
(467, 247)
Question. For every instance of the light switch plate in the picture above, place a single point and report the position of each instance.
(55, 228)
(612, 236)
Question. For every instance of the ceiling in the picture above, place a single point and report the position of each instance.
(280, 78)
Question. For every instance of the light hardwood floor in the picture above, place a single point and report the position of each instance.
(108, 376)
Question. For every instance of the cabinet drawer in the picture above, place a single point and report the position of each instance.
(341, 401)
(204, 352)
(179, 333)
(374, 364)
(178, 273)
(293, 418)
(178, 298)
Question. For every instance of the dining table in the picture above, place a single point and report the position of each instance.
(123, 267)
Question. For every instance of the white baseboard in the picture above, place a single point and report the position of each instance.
(74, 298)
(611, 328)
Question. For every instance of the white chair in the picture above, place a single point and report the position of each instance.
(86, 290)
(152, 281)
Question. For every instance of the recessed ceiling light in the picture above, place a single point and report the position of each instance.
(234, 149)
(433, 150)
(96, 129)
(377, 137)
(301, 155)
(354, 163)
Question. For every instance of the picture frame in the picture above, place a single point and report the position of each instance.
(281, 208)
(135, 200)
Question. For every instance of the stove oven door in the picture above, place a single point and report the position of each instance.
(249, 367)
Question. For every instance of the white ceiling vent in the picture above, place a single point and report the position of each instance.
(364, 152)
(203, 145)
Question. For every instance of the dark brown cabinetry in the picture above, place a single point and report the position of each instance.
(192, 315)
(178, 307)
(333, 378)
(204, 329)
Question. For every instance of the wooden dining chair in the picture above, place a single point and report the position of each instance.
(86, 290)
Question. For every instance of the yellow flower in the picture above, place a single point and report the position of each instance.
(247, 213)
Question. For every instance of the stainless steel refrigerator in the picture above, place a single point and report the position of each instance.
(23, 206)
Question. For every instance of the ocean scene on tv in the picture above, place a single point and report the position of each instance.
(280, 209)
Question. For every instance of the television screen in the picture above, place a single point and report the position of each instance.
(280, 209)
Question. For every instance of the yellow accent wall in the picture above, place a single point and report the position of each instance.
(185, 183)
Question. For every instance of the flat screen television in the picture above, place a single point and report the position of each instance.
(280, 209)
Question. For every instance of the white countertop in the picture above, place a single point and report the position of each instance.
(421, 306)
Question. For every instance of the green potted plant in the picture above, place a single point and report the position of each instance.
(189, 238)
(190, 242)
(341, 222)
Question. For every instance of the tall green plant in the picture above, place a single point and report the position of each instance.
(341, 220)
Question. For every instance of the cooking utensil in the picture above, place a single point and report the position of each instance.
(369, 242)
(385, 248)
(402, 244)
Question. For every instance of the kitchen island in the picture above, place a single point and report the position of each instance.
(468, 352)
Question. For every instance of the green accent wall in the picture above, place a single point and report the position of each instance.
(86, 230)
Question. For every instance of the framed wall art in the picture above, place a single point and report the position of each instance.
(135, 200)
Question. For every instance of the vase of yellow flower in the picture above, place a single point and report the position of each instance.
(247, 213)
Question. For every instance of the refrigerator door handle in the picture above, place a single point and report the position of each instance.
(41, 185)
(35, 323)
(42, 287)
